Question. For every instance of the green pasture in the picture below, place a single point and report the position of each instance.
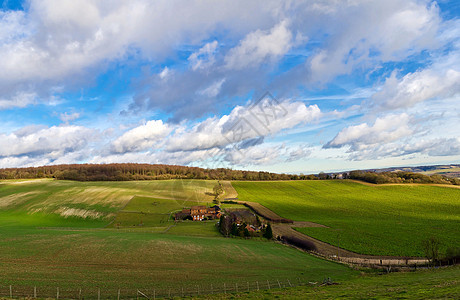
(422, 284)
(151, 212)
(64, 234)
(111, 258)
(380, 220)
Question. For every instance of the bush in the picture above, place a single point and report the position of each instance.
(452, 255)
(431, 248)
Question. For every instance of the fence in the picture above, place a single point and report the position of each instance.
(150, 293)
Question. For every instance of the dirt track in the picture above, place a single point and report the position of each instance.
(323, 249)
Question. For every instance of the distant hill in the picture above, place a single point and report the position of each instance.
(452, 170)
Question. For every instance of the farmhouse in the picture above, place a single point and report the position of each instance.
(198, 213)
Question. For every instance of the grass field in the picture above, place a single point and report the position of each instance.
(62, 234)
(383, 220)
(425, 284)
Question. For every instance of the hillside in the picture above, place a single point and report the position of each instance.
(367, 219)
(57, 233)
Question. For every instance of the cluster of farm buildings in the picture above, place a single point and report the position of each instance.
(199, 213)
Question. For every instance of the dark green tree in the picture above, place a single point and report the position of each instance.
(268, 234)
(234, 229)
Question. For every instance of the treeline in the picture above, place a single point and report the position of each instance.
(131, 171)
(126, 172)
(399, 177)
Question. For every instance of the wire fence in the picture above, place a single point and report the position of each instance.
(16, 292)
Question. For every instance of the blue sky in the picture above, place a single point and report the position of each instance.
(284, 86)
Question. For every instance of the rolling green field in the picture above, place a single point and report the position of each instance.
(380, 220)
(64, 234)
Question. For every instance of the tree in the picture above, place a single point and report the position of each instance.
(268, 234)
(218, 190)
(246, 232)
(431, 248)
(225, 225)
(234, 229)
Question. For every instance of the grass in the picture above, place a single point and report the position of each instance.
(110, 259)
(380, 220)
(39, 246)
(150, 212)
(425, 284)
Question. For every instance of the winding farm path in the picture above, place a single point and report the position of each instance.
(282, 227)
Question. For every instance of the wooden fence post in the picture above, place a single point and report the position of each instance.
(11, 291)
(118, 296)
(225, 289)
(257, 282)
(248, 286)
(236, 285)
(268, 284)
(278, 283)
(35, 292)
(79, 294)
(57, 293)
(98, 294)
(289, 283)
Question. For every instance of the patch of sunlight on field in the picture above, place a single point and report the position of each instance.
(368, 219)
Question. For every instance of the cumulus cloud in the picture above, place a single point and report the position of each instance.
(299, 153)
(66, 42)
(244, 123)
(258, 46)
(413, 147)
(357, 38)
(67, 117)
(142, 137)
(204, 57)
(386, 129)
(53, 141)
(19, 100)
(417, 87)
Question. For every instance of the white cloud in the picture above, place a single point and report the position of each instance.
(300, 153)
(259, 45)
(368, 33)
(243, 123)
(204, 57)
(142, 137)
(386, 129)
(165, 73)
(67, 117)
(416, 147)
(417, 87)
(20, 99)
(54, 141)
(212, 90)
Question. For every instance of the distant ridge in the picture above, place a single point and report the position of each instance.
(451, 170)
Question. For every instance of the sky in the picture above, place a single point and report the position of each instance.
(280, 86)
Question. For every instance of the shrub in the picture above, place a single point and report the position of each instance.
(431, 248)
